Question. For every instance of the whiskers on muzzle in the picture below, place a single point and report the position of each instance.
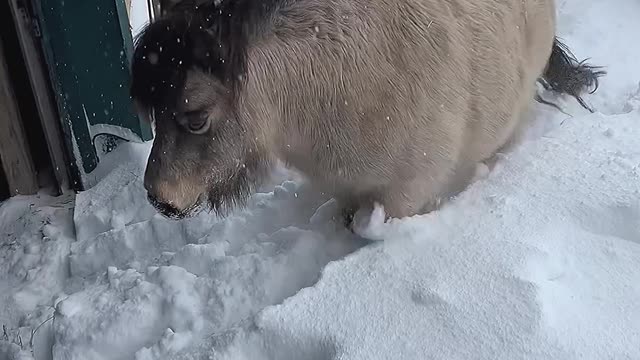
(170, 211)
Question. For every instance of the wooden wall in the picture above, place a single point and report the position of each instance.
(16, 158)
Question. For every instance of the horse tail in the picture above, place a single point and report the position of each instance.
(564, 74)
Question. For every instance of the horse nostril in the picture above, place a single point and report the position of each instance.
(163, 208)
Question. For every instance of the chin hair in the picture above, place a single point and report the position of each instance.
(223, 197)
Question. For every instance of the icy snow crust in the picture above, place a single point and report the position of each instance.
(538, 259)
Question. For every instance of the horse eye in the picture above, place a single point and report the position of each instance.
(197, 121)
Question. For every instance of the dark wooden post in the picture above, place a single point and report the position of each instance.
(14, 149)
(39, 78)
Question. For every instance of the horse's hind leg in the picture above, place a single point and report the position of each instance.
(349, 205)
(398, 202)
(417, 196)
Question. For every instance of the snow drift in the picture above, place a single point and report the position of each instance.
(538, 259)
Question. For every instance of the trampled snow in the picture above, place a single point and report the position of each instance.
(538, 259)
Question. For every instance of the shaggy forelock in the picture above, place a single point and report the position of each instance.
(211, 36)
(164, 52)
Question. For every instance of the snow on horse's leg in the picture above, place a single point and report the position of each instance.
(370, 223)
(482, 171)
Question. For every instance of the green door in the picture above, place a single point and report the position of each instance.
(88, 46)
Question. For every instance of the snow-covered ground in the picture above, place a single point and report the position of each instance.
(138, 16)
(539, 259)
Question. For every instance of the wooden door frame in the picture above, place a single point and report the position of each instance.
(16, 157)
(28, 31)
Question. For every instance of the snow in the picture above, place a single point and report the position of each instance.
(538, 259)
(138, 16)
(602, 31)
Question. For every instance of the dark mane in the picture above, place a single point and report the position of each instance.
(213, 36)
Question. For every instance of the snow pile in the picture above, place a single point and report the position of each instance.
(35, 237)
(605, 33)
(170, 283)
(538, 259)
(138, 16)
